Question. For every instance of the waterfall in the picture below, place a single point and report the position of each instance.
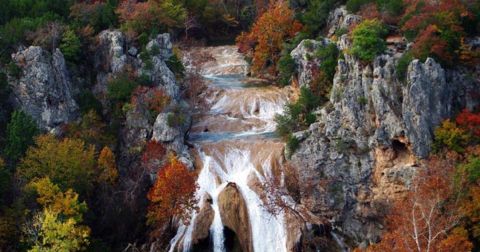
(234, 142)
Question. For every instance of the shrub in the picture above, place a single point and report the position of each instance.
(297, 115)
(286, 68)
(87, 102)
(97, 14)
(355, 5)
(329, 57)
(121, 88)
(316, 15)
(292, 144)
(176, 66)
(368, 40)
(70, 45)
(449, 136)
(469, 121)
(402, 65)
(19, 136)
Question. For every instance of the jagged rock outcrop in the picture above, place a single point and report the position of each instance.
(44, 90)
(160, 50)
(366, 143)
(340, 19)
(304, 57)
(234, 214)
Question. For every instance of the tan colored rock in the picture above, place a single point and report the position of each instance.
(234, 214)
(203, 221)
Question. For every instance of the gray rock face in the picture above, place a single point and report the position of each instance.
(341, 19)
(427, 102)
(364, 147)
(163, 44)
(44, 91)
(160, 49)
(304, 58)
(110, 54)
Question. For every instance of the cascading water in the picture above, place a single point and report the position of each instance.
(234, 143)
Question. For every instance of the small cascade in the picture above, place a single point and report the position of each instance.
(234, 145)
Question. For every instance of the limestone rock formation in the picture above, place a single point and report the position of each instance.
(160, 50)
(304, 57)
(44, 90)
(340, 19)
(366, 143)
(234, 214)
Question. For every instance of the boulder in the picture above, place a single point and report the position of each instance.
(44, 90)
(234, 214)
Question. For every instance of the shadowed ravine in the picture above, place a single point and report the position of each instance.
(235, 147)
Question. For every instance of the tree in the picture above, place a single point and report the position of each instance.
(107, 168)
(68, 163)
(70, 45)
(368, 40)
(152, 15)
(152, 155)
(265, 40)
(425, 219)
(469, 121)
(449, 135)
(173, 194)
(57, 227)
(20, 132)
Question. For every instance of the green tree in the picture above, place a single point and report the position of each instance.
(69, 163)
(70, 45)
(368, 40)
(20, 132)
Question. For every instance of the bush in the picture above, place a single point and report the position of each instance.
(70, 46)
(298, 115)
(176, 66)
(286, 68)
(368, 40)
(20, 132)
(292, 144)
(316, 15)
(402, 65)
(391, 7)
(329, 58)
(121, 88)
(354, 6)
(449, 136)
(87, 102)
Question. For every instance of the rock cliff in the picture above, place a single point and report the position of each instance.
(43, 90)
(364, 148)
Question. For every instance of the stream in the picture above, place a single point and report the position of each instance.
(235, 143)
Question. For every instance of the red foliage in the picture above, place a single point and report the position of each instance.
(437, 26)
(265, 40)
(152, 155)
(157, 100)
(425, 218)
(469, 121)
(173, 194)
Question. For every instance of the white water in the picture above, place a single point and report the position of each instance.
(231, 144)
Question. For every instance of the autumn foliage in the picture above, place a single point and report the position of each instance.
(428, 217)
(173, 194)
(436, 27)
(153, 153)
(265, 40)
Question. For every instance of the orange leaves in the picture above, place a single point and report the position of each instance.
(107, 168)
(173, 194)
(429, 212)
(265, 40)
(154, 152)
